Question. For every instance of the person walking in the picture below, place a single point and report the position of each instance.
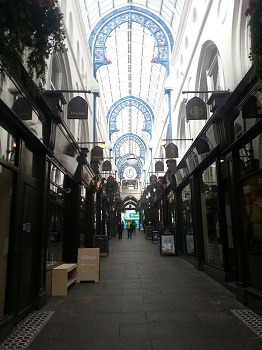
(131, 228)
(120, 229)
(128, 227)
(134, 226)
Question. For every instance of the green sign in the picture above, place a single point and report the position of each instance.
(134, 215)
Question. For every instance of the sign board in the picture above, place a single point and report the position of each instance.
(22, 109)
(196, 109)
(171, 150)
(149, 232)
(101, 241)
(106, 166)
(159, 166)
(167, 245)
(88, 264)
(134, 215)
(97, 153)
(77, 108)
(155, 236)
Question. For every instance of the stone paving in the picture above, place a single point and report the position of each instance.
(145, 301)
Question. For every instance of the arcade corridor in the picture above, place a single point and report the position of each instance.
(144, 301)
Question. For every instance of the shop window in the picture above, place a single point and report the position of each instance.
(250, 157)
(211, 217)
(252, 199)
(171, 210)
(248, 116)
(55, 237)
(188, 234)
(6, 185)
(8, 146)
(56, 216)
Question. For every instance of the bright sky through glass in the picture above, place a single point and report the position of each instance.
(130, 49)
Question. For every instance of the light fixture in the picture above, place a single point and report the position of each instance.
(162, 142)
(102, 145)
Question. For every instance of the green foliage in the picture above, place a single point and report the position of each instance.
(119, 205)
(35, 26)
(255, 23)
(111, 186)
(156, 191)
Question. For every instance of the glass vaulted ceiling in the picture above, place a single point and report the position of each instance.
(130, 48)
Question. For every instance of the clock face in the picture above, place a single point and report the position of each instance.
(130, 172)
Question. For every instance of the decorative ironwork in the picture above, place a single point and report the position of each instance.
(130, 101)
(123, 166)
(129, 137)
(125, 14)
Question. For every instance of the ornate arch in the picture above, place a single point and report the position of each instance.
(129, 137)
(145, 18)
(132, 101)
(124, 165)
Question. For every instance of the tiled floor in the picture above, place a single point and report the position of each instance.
(145, 301)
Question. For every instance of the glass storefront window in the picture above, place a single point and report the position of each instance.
(56, 217)
(188, 234)
(252, 198)
(83, 217)
(211, 217)
(171, 211)
(249, 115)
(250, 159)
(7, 146)
(6, 186)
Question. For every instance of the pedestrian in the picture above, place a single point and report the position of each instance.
(128, 227)
(120, 228)
(134, 226)
(131, 228)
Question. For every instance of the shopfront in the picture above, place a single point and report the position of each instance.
(21, 234)
(219, 195)
(245, 163)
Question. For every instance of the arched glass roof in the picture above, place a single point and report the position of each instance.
(131, 65)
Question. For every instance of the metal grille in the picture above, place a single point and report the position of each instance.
(253, 321)
(25, 331)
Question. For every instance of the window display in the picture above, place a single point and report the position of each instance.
(56, 217)
(252, 193)
(210, 217)
(6, 187)
(189, 246)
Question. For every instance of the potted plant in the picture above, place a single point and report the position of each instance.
(32, 25)
(155, 189)
(111, 186)
(254, 11)
(119, 205)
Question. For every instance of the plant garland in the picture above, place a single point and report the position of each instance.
(119, 205)
(33, 25)
(155, 189)
(254, 11)
(111, 186)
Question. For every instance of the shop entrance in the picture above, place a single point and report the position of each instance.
(28, 239)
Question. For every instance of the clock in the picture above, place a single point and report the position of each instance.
(130, 172)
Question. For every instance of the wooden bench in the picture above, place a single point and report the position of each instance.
(62, 277)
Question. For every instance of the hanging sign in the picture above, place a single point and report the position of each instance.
(196, 109)
(202, 147)
(106, 166)
(252, 109)
(171, 151)
(159, 166)
(97, 153)
(22, 109)
(77, 108)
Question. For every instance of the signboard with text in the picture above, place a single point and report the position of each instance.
(88, 264)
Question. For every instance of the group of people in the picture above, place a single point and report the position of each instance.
(130, 226)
